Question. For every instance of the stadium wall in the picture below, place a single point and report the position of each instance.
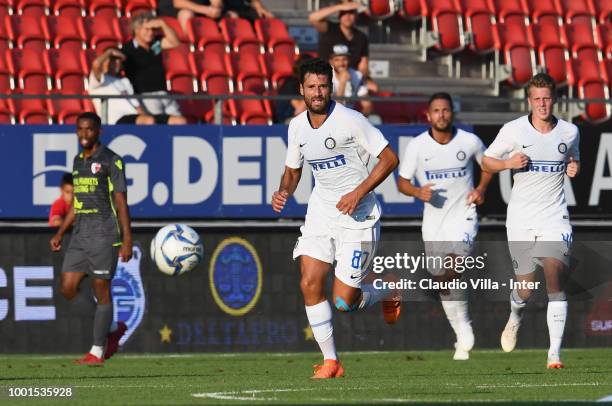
(220, 172)
(245, 297)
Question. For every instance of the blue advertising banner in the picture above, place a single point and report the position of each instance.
(202, 171)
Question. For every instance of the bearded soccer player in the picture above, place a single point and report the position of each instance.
(342, 220)
(540, 149)
(442, 160)
(101, 234)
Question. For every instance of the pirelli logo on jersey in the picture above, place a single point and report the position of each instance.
(327, 163)
(448, 173)
(544, 167)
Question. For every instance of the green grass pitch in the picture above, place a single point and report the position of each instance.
(425, 377)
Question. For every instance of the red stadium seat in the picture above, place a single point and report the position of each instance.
(581, 34)
(65, 111)
(247, 72)
(603, 8)
(103, 8)
(481, 23)
(28, 68)
(278, 67)
(539, 9)
(28, 32)
(68, 8)
(133, 7)
(176, 26)
(6, 33)
(273, 33)
(508, 8)
(589, 65)
(33, 8)
(518, 52)
(573, 9)
(212, 72)
(65, 31)
(414, 9)
(203, 33)
(180, 70)
(400, 112)
(69, 68)
(447, 23)
(594, 89)
(239, 33)
(250, 111)
(551, 46)
(124, 29)
(382, 9)
(102, 32)
(29, 111)
(605, 39)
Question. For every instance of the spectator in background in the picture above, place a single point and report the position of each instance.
(343, 32)
(347, 81)
(285, 110)
(184, 10)
(249, 9)
(105, 79)
(61, 205)
(143, 64)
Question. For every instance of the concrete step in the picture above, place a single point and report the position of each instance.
(428, 85)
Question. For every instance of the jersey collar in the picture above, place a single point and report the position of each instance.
(330, 110)
(453, 134)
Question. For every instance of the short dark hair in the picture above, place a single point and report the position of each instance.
(441, 96)
(542, 80)
(317, 66)
(90, 115)
(66, 179)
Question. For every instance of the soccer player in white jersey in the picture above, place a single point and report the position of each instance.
(442, 159)
(540, 149)
(342, 220)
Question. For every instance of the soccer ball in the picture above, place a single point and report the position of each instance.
(176, 249)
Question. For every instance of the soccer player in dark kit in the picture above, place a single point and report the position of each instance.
(101, 233)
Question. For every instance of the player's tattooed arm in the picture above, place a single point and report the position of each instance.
(493, 165)
(56, 241)
(422, 193)
(387, 162)
(289, 181)
(573, 167)
(123, 213)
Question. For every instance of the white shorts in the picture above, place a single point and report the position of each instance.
(161, 106)
(529, 246)
(457, 239)
(352, 249)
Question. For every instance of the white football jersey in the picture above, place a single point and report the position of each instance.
(338, 153)
(450, 168)
(537, 200)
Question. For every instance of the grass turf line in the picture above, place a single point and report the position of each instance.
(426, 377)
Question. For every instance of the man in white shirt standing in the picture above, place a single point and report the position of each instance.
(540, 149)
(342, 220)
(442, 161)
(105, 79)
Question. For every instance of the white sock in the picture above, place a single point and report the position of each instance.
(370, 295)
(320, 319)
(450, 308)
(517, 305)
(97, 350)
(113, 327)
(555, 316)
(463, 314)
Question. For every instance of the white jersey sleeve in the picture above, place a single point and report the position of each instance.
(479, 150)
(367, 136)
(295, 158)
(408, 163)
(574, 151)
(501, 146)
